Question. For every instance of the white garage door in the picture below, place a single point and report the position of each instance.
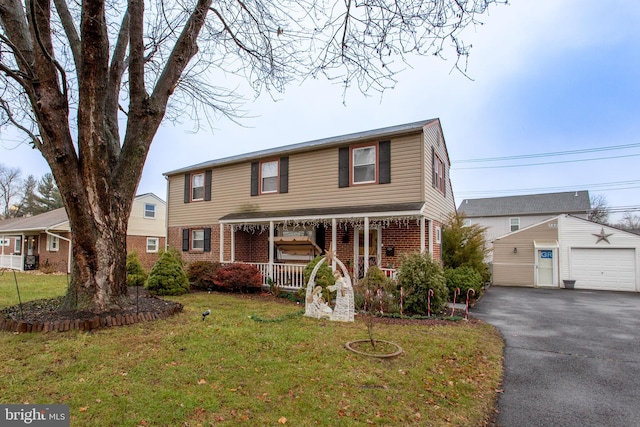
(605, 269)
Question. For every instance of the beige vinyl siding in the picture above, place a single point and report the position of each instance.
(518, 269)
(141, 226)
(438, 206)
(313, 183)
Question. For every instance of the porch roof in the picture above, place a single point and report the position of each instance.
(48, 220)
(338, 212)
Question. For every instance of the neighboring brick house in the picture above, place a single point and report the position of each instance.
(371, 196)
(28, 243)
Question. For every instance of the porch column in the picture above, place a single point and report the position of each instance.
(366, 244)
(23, 252)
(221, 242)
(233, 244)
(431, 237)
(334, 240)
(423, 243)
(271, 254)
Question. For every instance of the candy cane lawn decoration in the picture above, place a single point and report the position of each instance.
(429, 295)
(455, 295)
(466, 312)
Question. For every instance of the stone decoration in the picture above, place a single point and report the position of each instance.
(317, 307)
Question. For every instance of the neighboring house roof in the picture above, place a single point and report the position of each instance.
(346, 211)
(532, 204)
(42, 221)
(144, 195)
(388, 132)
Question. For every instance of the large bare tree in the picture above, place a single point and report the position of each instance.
(90, 82)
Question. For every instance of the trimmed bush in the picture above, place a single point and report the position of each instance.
(136, 275)
(202, 273)
(416, 275)
(238, 277)
(464, 278)
(167, 277)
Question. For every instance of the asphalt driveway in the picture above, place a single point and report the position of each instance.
(572, 357)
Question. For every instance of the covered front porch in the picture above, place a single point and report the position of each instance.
(280, 244)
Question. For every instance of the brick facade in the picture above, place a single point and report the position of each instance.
(139, 245)
(58, 260)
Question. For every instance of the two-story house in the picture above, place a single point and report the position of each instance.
(370, 196)
(29, 242)
(503, 215)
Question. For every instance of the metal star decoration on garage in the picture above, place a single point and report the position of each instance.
(602, 236)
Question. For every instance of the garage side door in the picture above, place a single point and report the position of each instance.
(604, 268)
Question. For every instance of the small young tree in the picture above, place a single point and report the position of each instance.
(417, 274)
(167, 277)
(465, 245)
(136, 276)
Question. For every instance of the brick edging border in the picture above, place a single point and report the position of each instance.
(97, 322)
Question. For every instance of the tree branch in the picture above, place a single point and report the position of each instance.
(70, 30)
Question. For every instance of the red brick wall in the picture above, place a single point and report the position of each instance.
(59, 259)
(139, 245)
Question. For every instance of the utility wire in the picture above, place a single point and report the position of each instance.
(551, 154)
(602, 186)
(545, 163)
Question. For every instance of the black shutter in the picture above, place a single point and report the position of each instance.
(321, 236)
(187, 187)
(207, 240)
(185, 239)
(207, 185)
(343, 167)
(284, 174)
(384, 160)
(254, 178)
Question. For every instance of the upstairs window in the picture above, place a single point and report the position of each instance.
(438, 173)
(149, 210)
(269, 177)
(514, 224)
(364, 165)
(197, 187)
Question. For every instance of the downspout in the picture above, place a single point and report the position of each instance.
(166, 218)
(63, 238)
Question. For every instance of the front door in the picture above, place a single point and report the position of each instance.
(546, 267)
(374, 250)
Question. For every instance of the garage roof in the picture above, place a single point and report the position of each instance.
(571, 202)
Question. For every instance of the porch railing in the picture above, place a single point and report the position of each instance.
(13, 262)
(291, 277)
(287, 276)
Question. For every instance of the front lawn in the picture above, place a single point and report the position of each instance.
(237, 368)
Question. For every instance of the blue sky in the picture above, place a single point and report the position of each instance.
(547, 76)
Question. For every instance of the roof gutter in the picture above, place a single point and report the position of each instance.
(46, 230)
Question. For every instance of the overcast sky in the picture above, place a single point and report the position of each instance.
(548, 76)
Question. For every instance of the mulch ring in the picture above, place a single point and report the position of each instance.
(44, 315)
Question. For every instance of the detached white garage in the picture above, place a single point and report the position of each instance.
(564, 248)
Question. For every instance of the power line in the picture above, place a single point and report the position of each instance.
(545, 163)
(550, 154)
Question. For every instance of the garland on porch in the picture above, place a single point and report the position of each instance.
(344, 223)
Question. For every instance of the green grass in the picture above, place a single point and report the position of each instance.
(233, 370)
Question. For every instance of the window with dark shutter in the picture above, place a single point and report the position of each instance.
(207, 239)
(255, 179)
(207, 185)
(185, 240)
(284, 174)
(343, 167)
(384, 162)
(187, 187)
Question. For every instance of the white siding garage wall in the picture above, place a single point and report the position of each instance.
(611, 269)
(597, 256)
